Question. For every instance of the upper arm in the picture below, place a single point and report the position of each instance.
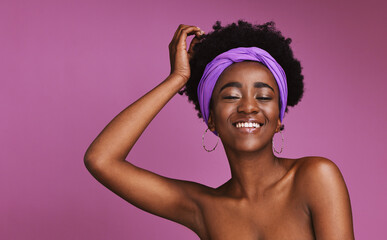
(327, 199)
(165, 197)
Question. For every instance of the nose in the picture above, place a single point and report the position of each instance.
(248, 105)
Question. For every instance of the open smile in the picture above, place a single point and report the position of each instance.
(247, 126)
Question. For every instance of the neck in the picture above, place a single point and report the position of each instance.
(253, 172)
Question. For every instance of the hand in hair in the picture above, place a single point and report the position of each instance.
(178, 54)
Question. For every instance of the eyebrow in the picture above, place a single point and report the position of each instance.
(262, 85)
(239, 85)
(231, 84)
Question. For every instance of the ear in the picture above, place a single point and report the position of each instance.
(279, 126)
(211, 124)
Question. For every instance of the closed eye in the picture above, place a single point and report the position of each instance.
(264, 98)
(230, 97)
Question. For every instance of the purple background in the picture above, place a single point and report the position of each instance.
(68, 67)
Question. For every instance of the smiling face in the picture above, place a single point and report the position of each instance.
(245, 107)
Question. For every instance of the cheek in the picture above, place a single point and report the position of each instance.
(270, 110)
(221, 113)
(273, 111)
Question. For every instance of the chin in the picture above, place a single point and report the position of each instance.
(247, 146)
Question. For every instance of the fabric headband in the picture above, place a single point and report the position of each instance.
(223, 60)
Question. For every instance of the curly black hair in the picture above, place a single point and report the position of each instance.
(244, 34)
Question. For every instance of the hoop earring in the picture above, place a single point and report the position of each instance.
(204, 146)
(282, 144)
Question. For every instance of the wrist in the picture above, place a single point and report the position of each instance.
(178, 79)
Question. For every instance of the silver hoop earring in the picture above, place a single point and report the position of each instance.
(204, 146)
(282, 144)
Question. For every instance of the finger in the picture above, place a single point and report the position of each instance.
(199, 34)
(192, 30)
(178, 31)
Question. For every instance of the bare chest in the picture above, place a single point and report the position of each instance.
(276, 215)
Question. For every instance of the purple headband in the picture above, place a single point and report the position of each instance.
(223, 60)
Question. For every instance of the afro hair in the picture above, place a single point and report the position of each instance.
(244, 34)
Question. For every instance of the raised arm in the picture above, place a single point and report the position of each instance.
(105, 157)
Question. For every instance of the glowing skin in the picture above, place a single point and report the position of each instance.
(245, 92)
(265, 198)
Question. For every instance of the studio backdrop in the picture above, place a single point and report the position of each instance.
(67, 67)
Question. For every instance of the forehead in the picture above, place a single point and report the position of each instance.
(245, 73)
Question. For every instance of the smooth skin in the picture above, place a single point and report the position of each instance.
(266, 198)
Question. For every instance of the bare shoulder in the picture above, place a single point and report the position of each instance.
(322, 188)
(318, 176)
(315, 170)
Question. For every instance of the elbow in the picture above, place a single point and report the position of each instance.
(97, 163)
(88, 161)
(93, 163)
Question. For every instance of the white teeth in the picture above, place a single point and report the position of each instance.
(247, 125)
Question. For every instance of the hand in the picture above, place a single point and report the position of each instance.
(178, 54)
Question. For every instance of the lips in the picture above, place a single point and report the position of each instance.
(248, 124)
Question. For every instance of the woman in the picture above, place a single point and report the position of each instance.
(241, 78)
